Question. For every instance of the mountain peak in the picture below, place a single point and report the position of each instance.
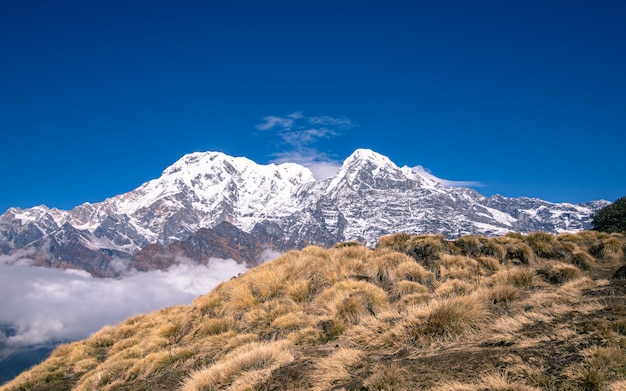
(199, 163)
(365, 169)
(363, 155)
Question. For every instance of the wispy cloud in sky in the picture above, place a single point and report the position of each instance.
(446, 182)
(272, 122)
(300, 134)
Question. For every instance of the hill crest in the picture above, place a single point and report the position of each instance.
(523, 312)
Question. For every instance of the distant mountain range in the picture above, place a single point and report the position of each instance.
(213, 205)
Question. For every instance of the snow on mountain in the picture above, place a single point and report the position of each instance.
(203, 189)
(368, 197)
(368, 169)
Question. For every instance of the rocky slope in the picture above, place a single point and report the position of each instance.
(282, 206)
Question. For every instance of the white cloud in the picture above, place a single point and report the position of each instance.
(445, 182)
(44, 305)
(281, 123)
(267, 255)
(323, 169)
(303, 137)
(272, 121)
(320, 164)
(295, 129)
(20, 257)
(332, 121)
(300, 135)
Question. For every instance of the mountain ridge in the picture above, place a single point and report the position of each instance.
(370, 196)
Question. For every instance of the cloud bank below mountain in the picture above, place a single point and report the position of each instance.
(41, 305)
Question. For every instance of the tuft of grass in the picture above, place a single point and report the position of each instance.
(504, 294)
(492, 248)
(353, 309)
(601, 365)
(490, 381)
(608, 249)
(425, 249)
(239, 300)
(545, 245)
(522, 277)
(332, 371)
(444, 319)
(351, 301)
(517, 251)
(379, 335)
(404, 288)
(409, 301)
(396, 242)
(452, 288)
(290, 322)
(489, 263)
(534, 374)
(582, 259)
(215, 326)
(469, 245)
(413, 271)
(244, 368)
(382, 268)
(459, 267)
(387, 377)
(562, 272)
(299, 291)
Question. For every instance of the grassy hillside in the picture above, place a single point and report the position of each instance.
(418, 312)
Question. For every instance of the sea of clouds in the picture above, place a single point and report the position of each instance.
(41, 306)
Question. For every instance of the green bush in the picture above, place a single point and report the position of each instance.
(611, 218)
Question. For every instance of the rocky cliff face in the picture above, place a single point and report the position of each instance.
(273, 207)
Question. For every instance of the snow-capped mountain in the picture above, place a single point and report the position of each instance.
(370, 196)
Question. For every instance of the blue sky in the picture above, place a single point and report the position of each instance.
(524, 98)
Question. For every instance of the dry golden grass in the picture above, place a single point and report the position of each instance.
(522, 277)
(469, 245)
(545, 245)
(562, 272)
(404, 288)
(386, 377)
(619, 385)
(459, 267)
(601, 366)
(454, 287)
(493, 249)
(516, 312)
(490, 264)
(583, 260)
(489, 381)
(245, 368)
(444, 319)
(336, 368)
(609, 248)
(517, 251)
(503, 293)
(413, 271)
(351, 301)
